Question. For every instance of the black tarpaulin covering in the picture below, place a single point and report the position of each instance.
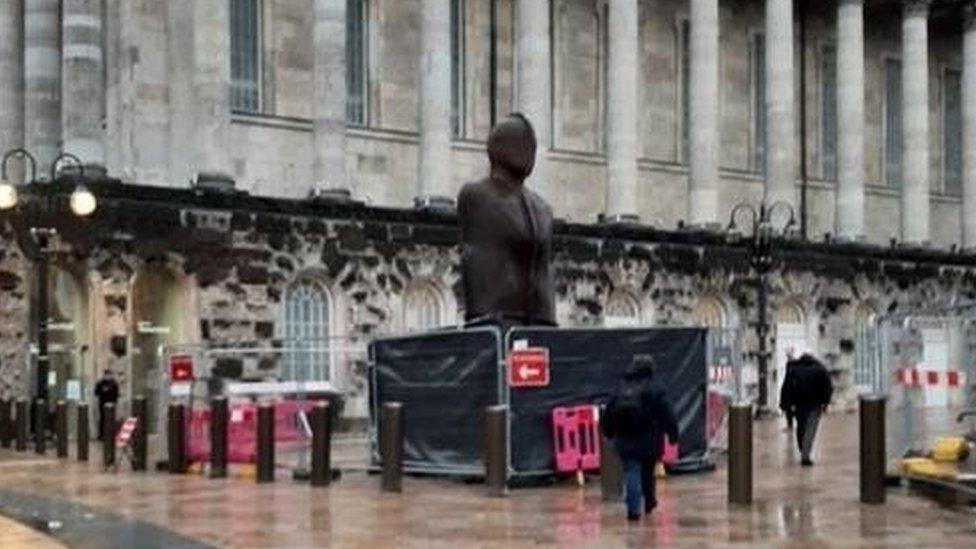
(445, 381)
(585, 367)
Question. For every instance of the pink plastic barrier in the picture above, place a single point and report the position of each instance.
(242, 430)
(576, 438)
(716, 409)
(670, 452)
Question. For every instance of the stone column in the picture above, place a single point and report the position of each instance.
(850, 120)
(211, 89)
(533, 83)
(703, 116)
(329, 95)
(780, 115)
(435, 186)
(969, 130)
(83, 82)
(42, 79)
(915, 101)
(621, 205)
(11, 84)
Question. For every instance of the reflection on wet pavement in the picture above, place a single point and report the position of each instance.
(794, 507)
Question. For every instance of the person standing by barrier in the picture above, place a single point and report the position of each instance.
(807, 390)
(637, 418)
(106, 390)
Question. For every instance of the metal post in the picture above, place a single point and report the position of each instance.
(40, 425)
(496, 449)
(321, 444)
(140, 439)
(81, 437)
(218, 437)
(740, 454)
(61, 428)
(872, 411)
(108, 435)
(176, 438)
(6, 430)
(266, 453)
(22, 425)
(391, 446)
(611, 471)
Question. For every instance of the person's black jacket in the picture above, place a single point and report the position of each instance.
(107, 390)
(807, 385)
(784, 398)
(643, 439)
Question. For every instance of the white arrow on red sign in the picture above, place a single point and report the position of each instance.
(528, 367)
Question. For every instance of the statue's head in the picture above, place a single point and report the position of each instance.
(511, 146)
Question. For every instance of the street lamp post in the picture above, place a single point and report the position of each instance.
(82, 203)
(761, 260)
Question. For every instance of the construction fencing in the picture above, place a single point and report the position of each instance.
(924, 364)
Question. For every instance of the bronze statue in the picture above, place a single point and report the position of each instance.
(506, 236)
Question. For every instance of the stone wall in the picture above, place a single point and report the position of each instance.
(150, 111)
(228, 259)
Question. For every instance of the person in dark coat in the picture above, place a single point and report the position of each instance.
(637, 418)
(807, 390)
(106, 390)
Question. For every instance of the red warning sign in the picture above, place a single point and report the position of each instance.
(528, 367)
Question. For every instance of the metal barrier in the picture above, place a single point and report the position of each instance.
(923, 364)
(287, 373)
(726, 384)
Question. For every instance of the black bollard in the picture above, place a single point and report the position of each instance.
(266, 453)
(6, 423)
(108, 435)
(872, 411)
(176, 439)
(81, 436)
(40, 426)
(611, 471)
(61, 428)
(321, 444)
(22, 425)
(391, 447)
(496, 450)
(140, 437)
(740, 454)
(218, 437)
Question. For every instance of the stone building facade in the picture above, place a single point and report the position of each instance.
(656, 117)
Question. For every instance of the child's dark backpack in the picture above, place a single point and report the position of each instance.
(630, 407)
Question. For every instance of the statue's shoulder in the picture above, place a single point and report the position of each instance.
(474, 189)
(539, 203)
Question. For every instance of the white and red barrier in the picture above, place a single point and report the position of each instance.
(721, 374)
(916, 377)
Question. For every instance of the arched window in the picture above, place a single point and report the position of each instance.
(622, 311)
(709, 313)
(789, 313)
(306, 332)
(422, 308)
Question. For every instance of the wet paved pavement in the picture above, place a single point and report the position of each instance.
(16, 535)
(798, 507)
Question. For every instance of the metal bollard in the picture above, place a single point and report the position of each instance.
(321, 444)
(40, 426)
(176, 439)
(218, 437)
(611, 471)
(81, 436)
(740, 454)
(61, 428)
(496, 450)
(872, 412)
(391, 446)
(140, 437)
(5, 424)
(108, 435)
(266, 454)
(21, 425)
